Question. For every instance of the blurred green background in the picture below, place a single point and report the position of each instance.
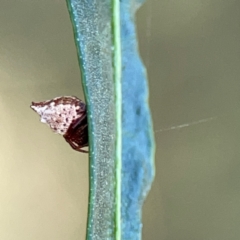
(192, 52)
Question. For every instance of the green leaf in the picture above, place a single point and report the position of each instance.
(120, 129)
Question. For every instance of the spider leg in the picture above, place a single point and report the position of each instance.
(79, 121)
(77, 134)
(75, 147)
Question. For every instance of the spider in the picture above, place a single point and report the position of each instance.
(66, 116)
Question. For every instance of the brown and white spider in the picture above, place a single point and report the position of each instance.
(66, 116)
